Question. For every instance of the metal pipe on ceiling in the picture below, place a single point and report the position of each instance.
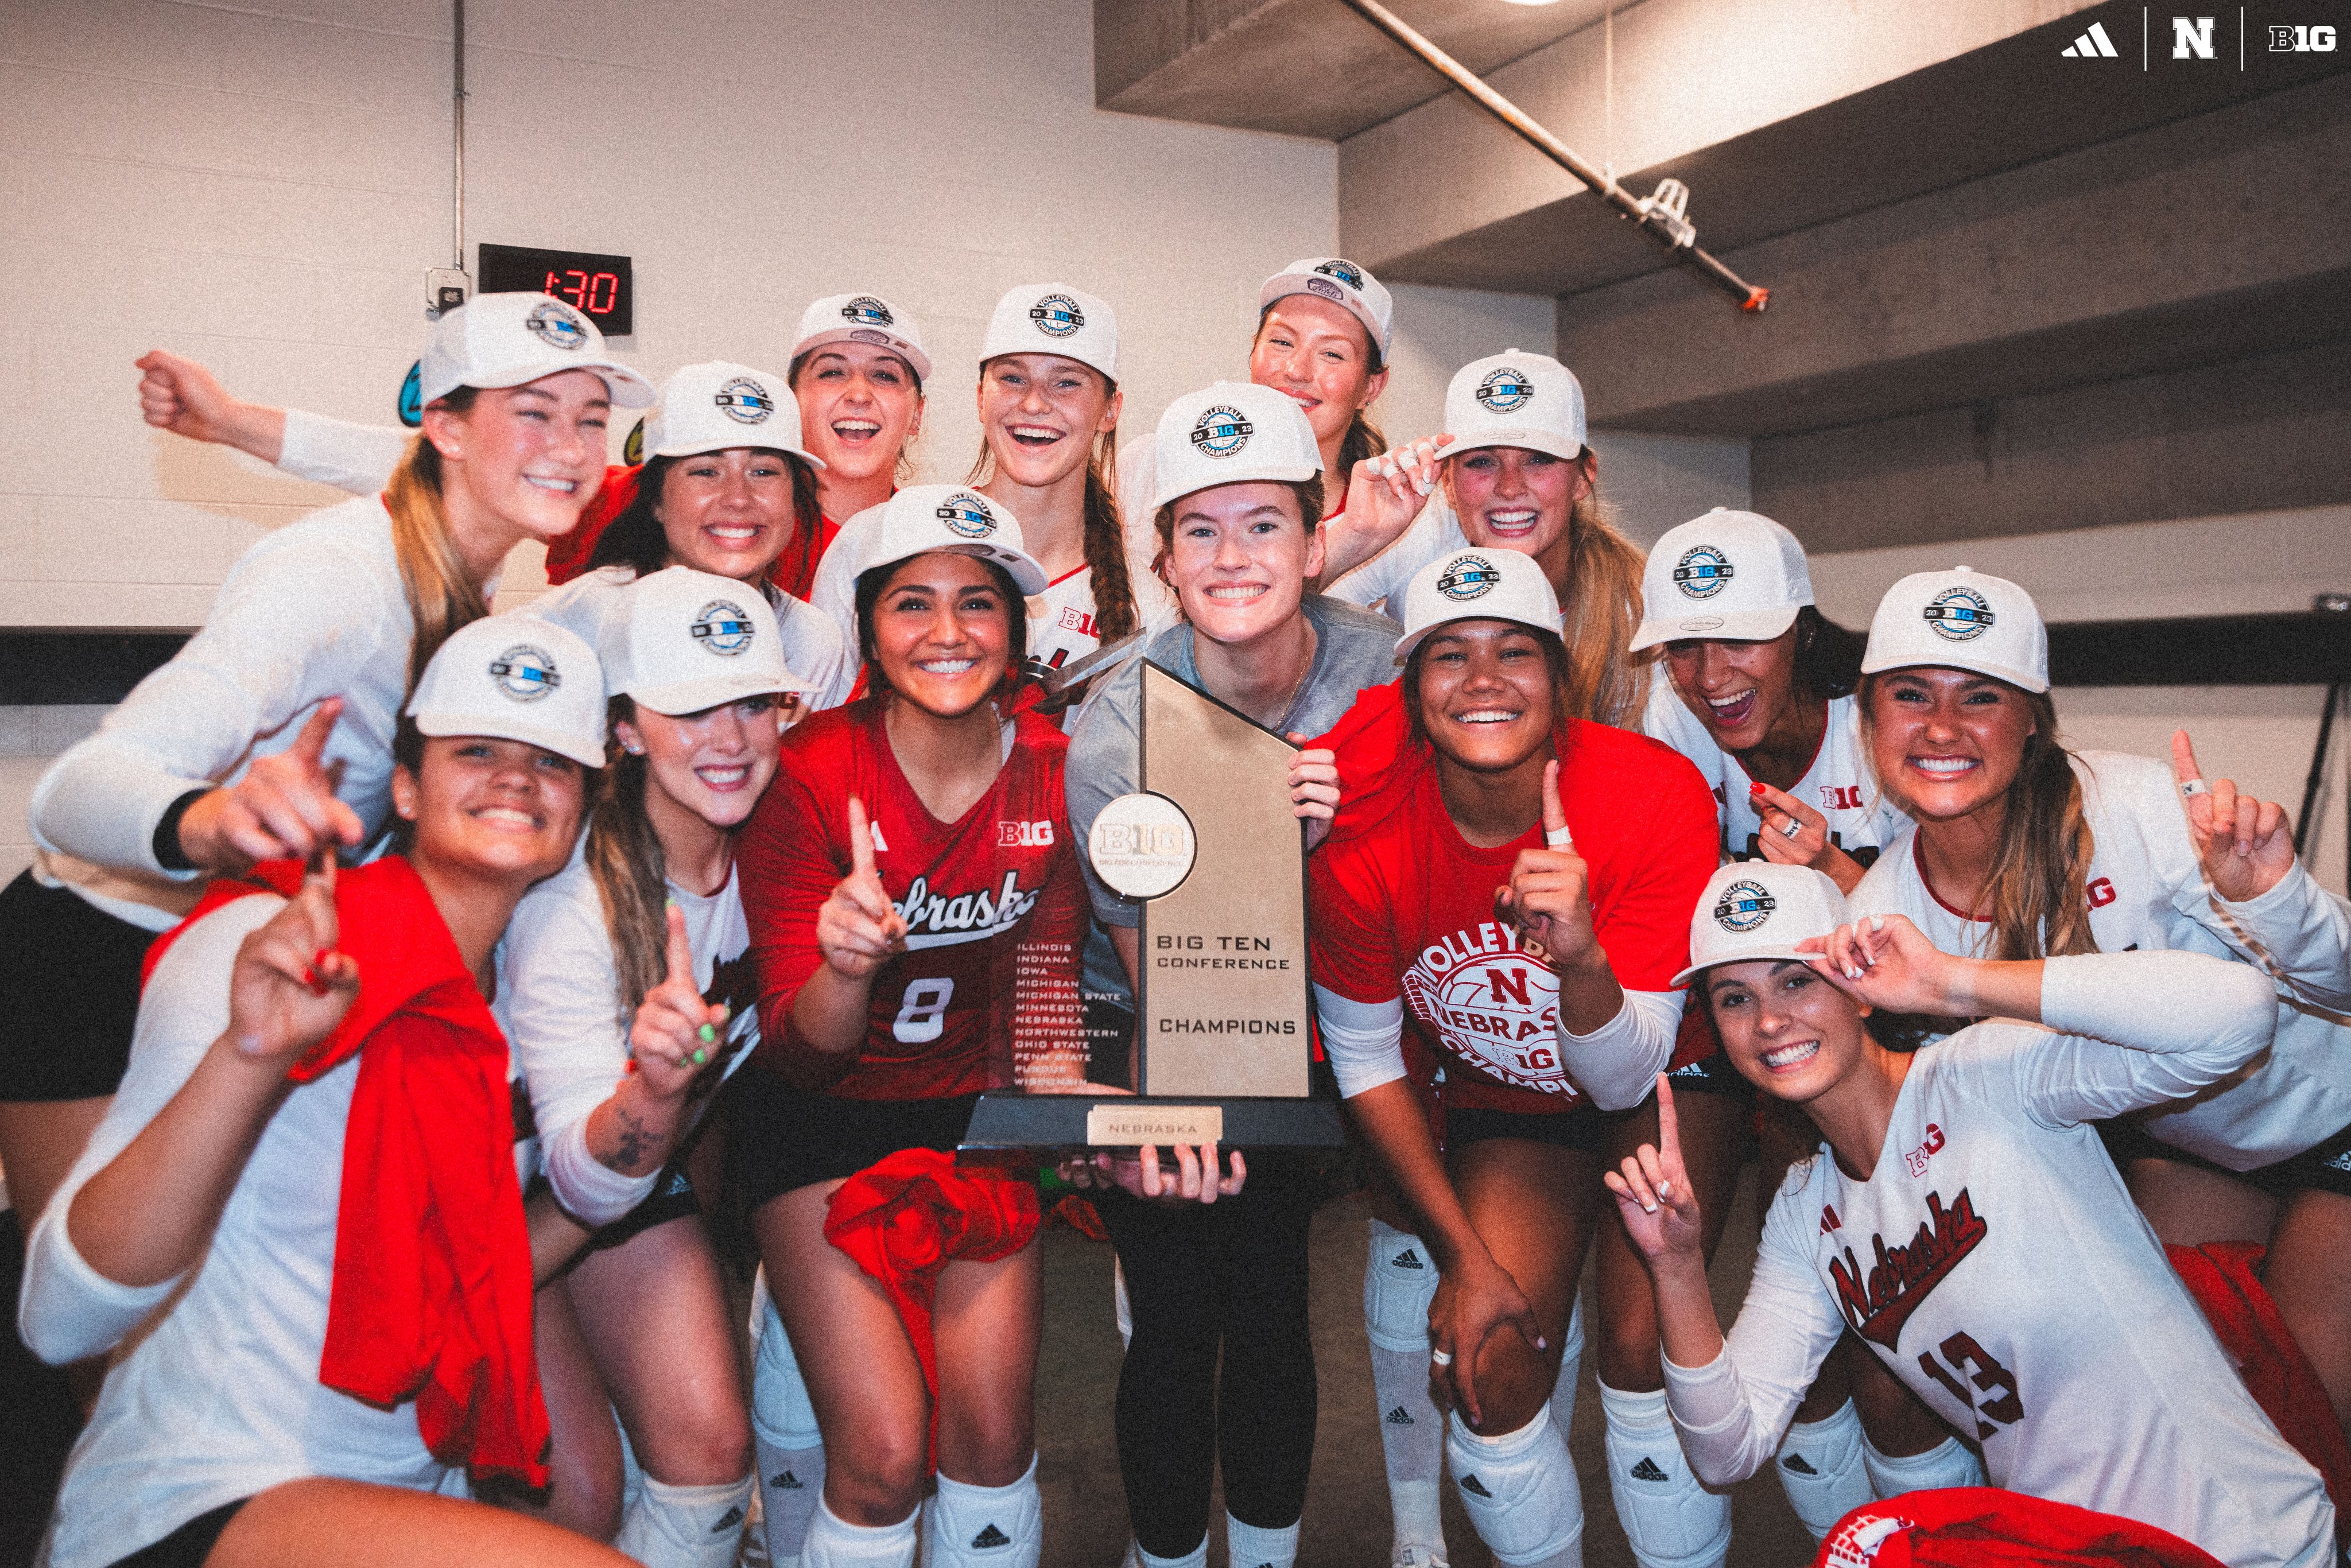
(1655, 218)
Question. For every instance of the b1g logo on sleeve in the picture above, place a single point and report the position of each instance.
(1057, 316)
(1957, 614)
(745, 401)
(1220, 432)
(525, 673)
(722, 627)
(1504, 389)
(1702, 571)
(556, 326)
(1491, 1006)
(966, 514)
(1743, 906)
(1469, 577)
(867, 311)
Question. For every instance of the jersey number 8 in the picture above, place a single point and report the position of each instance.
(922, 1017)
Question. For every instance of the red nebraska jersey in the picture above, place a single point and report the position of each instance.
(1402, 903)
(1001, 879)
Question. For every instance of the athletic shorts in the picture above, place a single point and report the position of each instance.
(188, 1546)
(1581, 1125)
(1712, 1075)
(2324, 1166)
(70, 974)
(671, 1199)
(780, 1139)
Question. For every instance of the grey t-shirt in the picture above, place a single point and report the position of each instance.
(1354, 650)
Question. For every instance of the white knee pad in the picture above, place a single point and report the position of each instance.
(1950, 1463)
(1520, 1492)
(1399, 1281)
(1671, 1520)
(779, 1399)
(833, 1543)
(684, 1527)
(1821, 1470)
(985, 1527)
(790, 1449)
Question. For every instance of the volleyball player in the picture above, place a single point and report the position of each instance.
(298, 1223)
(1511, 882)
(1962, 1220)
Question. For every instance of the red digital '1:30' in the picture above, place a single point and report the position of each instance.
(594, 292)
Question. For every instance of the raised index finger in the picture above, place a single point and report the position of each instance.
(1555, 833)
(1670, 1134)
(311, 744)
(2183, 759)
(861, 838)
(681, 952)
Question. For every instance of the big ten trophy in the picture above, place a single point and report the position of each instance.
(1223, 1044)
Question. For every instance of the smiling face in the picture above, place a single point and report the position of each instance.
(1787, 1030)
(715, 763)
(942, 631)
(1039, 415)
(1515, 498)
(490, 809)
(1737, 690)
(726, 513)
(1947, 743)
(532, 458)
(1239, 559)
(1319, 354)
(1485, 693)
(859, 407)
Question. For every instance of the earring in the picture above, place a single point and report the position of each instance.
(632, 750)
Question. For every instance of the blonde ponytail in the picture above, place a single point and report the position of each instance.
(1600, 608)
(440, 596)
(631, 875)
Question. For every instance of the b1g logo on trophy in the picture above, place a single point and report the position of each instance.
(1223, 1041)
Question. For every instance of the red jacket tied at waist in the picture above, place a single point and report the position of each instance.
(432, 1292)
(906, 1218)
(1984, 1527)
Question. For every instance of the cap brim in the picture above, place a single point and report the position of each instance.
(2021, 679)
(1292, 474)
(679, 699)
(1777, 951)
(442, 725)
(1411, 640)
(913, 356)
(1532, 439)
(1747, 626)
(1281, 286)
(622, 385)
(728, 444)
(1027, 575)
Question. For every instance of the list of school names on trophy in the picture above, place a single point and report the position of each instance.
(1223, 1041)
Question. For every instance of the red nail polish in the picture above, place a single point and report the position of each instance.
(1755, 788)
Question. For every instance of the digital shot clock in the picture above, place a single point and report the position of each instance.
(599, 286)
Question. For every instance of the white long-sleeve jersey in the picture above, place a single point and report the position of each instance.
(1381, 580)
(1994, 1263)
(2146, 892)
(314, 611)
(355, 457)
(1840, 783)
(558, 1003)
(219, 1397)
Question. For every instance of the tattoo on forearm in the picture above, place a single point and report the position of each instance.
(635, 1146)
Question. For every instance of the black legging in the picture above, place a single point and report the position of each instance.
(1233, 1273)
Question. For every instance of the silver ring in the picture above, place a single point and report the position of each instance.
(1442, 1357)
(1793, 829)
(2195, 787)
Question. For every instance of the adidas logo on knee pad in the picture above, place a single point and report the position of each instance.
(1647, 1470)
(734, 1517)
(785, 1482)
(1400, 1417)
(1472, 1484)
(1796, 1463)
(1407, 1259)
(989, 1537)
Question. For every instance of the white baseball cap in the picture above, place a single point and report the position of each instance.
(1341, 282)
(1515, 399)
(923, 518)
(508, 340)
(1230, 432)
(1476, 585)
(863, 318)
(1054, 318)
(515, 678)
(1758, 909)
(715, 405)
(1960, 619)
(685, 641)
(1736, 575)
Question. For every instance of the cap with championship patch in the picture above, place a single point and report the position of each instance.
(1345, 285)
(1758, 909)
(1735, 576)
(863, 318)
(1477, 584)
(924, 518)
(1960, 619)
(715, 406)
(1054, 318)
(1231, 432)
(510, 339)
(515, 678)
(685, 641)
(1515, 399)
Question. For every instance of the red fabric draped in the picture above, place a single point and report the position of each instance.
(1984, 1527)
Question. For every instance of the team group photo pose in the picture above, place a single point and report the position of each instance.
(500, 1010)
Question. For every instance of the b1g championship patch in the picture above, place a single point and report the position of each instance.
(1469, 577)
(1959, 614)
(966, 514)
(1057, 316)
(745, 401)
(525, 673)
(1504, 389)
(556, 326)
(1702, 571)
(722, 627)
(1220, 432)
(1743, 906)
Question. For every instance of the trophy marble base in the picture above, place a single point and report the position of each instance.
(1008, 1123)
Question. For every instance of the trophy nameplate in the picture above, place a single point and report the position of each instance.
(1223, 1033)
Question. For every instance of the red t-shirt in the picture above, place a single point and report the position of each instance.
(989, 898)
(1404, 904)
(794, 571)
